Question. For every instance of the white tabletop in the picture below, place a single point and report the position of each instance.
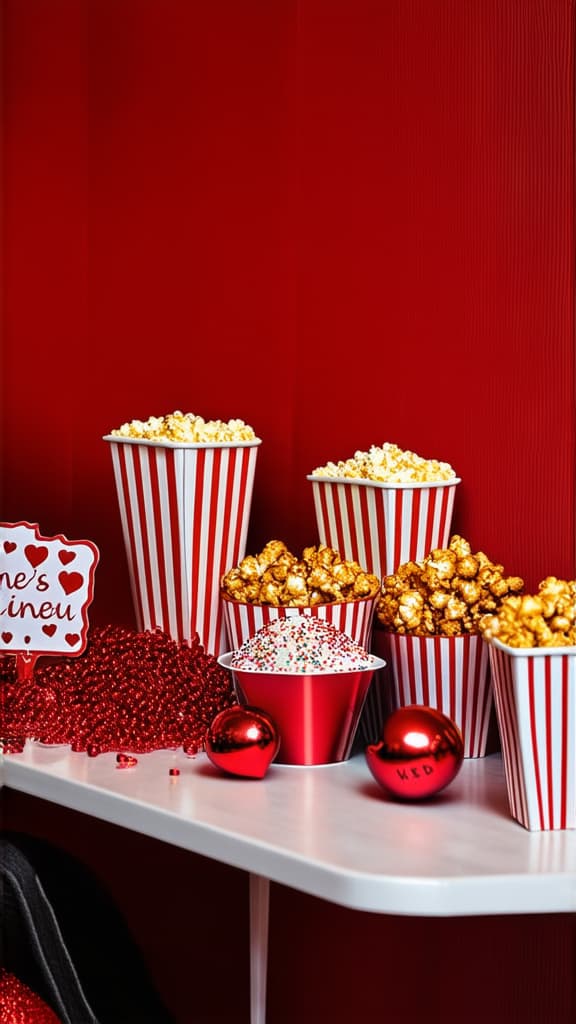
(329, 831)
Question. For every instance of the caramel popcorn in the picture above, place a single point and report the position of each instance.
(186, 428)
(545, 619)
(388, 464)
(277, 577)
(446, 594)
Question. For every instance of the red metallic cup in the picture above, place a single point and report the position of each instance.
(316, 714)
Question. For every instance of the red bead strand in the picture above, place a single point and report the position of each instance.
(129, 691)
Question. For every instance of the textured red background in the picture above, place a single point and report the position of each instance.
(345, 222)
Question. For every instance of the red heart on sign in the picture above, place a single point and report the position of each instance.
(66, 556)
(49, 630)
(35, 555)
(9, 545)
(70, 581)
(6, 637)
(71, 638)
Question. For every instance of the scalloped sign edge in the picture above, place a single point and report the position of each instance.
(71, 639)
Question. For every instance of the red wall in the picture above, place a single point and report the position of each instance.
(345, 222)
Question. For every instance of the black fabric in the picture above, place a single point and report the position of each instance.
(63, 936)
(32, 946)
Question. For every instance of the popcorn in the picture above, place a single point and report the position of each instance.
(300, 645)
(187, 428)
(277, 577)
(446, 594)
(388, 464)
(545, 619)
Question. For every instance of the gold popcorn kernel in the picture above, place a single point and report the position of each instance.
(545, 619)
(269, 593)
(459, 546)
(457, 588)
(320, 577)
(466, 566)
(249, 568)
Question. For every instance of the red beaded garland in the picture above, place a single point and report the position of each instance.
(19, 1005)
(129, 691)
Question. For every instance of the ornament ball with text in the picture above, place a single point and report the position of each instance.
(420, 753)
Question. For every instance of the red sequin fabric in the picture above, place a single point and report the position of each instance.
(19, 1005)
(129, 691)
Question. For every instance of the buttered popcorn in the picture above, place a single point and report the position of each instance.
(387, 464)
(545, 619)
(446, 594)
(187, 428)
(276, 577)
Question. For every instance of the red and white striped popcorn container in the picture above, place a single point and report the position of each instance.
(449, 673)
(185, 511)
(383, 525)
(380, 700)
(535, 698)
(355, 618)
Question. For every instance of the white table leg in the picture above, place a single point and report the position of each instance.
(259, 907)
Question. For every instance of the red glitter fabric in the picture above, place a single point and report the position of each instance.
(129, 691)
(19, 1005)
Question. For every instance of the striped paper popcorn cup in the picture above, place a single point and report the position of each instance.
(449, 673)
(185, 510)
(355, 618)
(381, 525)
(380, 700)
(535, 698)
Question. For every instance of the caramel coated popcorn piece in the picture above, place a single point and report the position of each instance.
(545, 619)
(387, 464)
(446, 594)
(276, 577)
(187, 428)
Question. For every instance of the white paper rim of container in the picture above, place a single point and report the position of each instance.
(377, 663)
(295, 610)
(408, 485)
(536, 652)
(161, 443)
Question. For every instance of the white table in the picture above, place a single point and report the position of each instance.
(328, 831)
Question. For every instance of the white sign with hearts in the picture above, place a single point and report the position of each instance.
(46, 586)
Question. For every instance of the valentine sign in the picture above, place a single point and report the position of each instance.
(46, 586)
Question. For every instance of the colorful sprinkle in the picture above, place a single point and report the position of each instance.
(300, 645)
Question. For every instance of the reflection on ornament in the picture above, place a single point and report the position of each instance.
(242, 740)
(420, 753)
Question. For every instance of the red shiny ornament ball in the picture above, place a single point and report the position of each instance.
(242, 740)
(420, 753)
